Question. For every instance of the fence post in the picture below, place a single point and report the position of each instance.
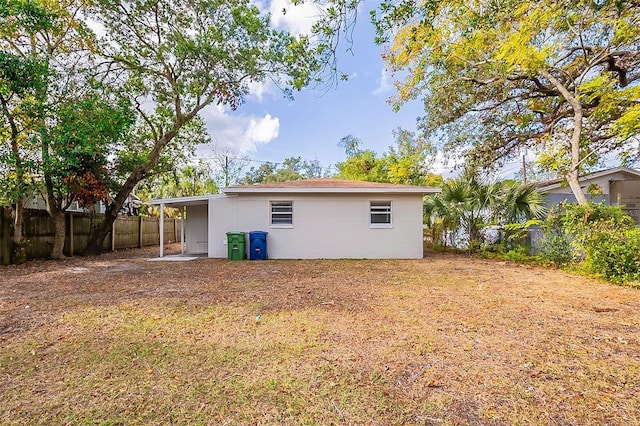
(140, 231)
(71, 232)
(161, 229)
(113, 235)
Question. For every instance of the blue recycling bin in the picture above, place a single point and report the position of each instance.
(258, 245)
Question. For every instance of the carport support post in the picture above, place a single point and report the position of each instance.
(161, 226)
(184, 211)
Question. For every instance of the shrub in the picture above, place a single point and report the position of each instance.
(556, 246)
(603, 236)
(615, 255)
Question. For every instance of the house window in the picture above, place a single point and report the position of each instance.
(380, 214)
(282, 213)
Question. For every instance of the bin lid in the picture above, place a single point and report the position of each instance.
(235, 233)
(257, 233)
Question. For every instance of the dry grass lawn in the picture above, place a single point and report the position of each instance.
(445, 340)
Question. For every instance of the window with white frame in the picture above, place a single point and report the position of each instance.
(380, 214)
(282, 213)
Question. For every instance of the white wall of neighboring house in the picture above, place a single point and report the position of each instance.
(324, 225)
(38, 203)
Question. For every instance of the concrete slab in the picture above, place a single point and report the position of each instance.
(177, 258)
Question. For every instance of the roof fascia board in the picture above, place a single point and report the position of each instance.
(418, 190)
(180, 200)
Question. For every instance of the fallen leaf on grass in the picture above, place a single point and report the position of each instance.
(596, 309)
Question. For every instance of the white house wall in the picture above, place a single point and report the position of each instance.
(324, 226)
(196, 229)
(223, 218)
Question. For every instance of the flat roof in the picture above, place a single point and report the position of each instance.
(186, 201)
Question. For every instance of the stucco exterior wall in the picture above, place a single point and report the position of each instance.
(223, 217)
(196, 229)
(324, 226)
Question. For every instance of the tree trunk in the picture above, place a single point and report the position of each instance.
(60, 229)
(54, 207)
(18, 246)
(100, 232)
(574, 183)
(96, 239)
(574, 173)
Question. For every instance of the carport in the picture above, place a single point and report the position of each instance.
(196, 228)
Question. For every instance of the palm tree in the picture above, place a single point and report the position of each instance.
(522, 202)
(466, 205)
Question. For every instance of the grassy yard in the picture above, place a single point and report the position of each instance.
(443, 340)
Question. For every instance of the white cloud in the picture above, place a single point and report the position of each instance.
(297, 19)
(263, 130)
(385, 83)
(237, 134)
(259, 89)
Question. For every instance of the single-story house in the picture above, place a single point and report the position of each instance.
(618, 186)
(308, 219)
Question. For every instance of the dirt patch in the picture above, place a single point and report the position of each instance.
(442, 340)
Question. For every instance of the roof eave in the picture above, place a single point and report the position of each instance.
(298, 190)
(185, 201)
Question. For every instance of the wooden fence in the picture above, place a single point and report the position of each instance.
(127, 232)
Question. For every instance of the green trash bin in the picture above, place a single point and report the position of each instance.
(236, 246)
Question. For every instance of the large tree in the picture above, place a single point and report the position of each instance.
(187, 181)
(406, 163)
(76, 145)
(292, 168)
(20, 79)
(560, 77)
(38, 39)
(176, 57)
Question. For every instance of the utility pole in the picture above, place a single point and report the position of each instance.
(226, 171)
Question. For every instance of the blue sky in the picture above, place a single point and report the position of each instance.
(269, 127)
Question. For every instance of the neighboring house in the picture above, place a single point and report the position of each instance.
(130, 207)
(619, 186)
(309, 219)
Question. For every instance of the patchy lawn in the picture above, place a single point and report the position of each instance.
(442, 340)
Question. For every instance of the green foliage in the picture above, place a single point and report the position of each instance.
(293, 168)
(555, 246)
(602, 237)
(82, 134)
(466, 205)
(21, 78)
(405, 163)
(608, 238)
(518, 254)
(586, 221)
(559, 78)
(615, 255)
(186, 181)
(365, 166)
